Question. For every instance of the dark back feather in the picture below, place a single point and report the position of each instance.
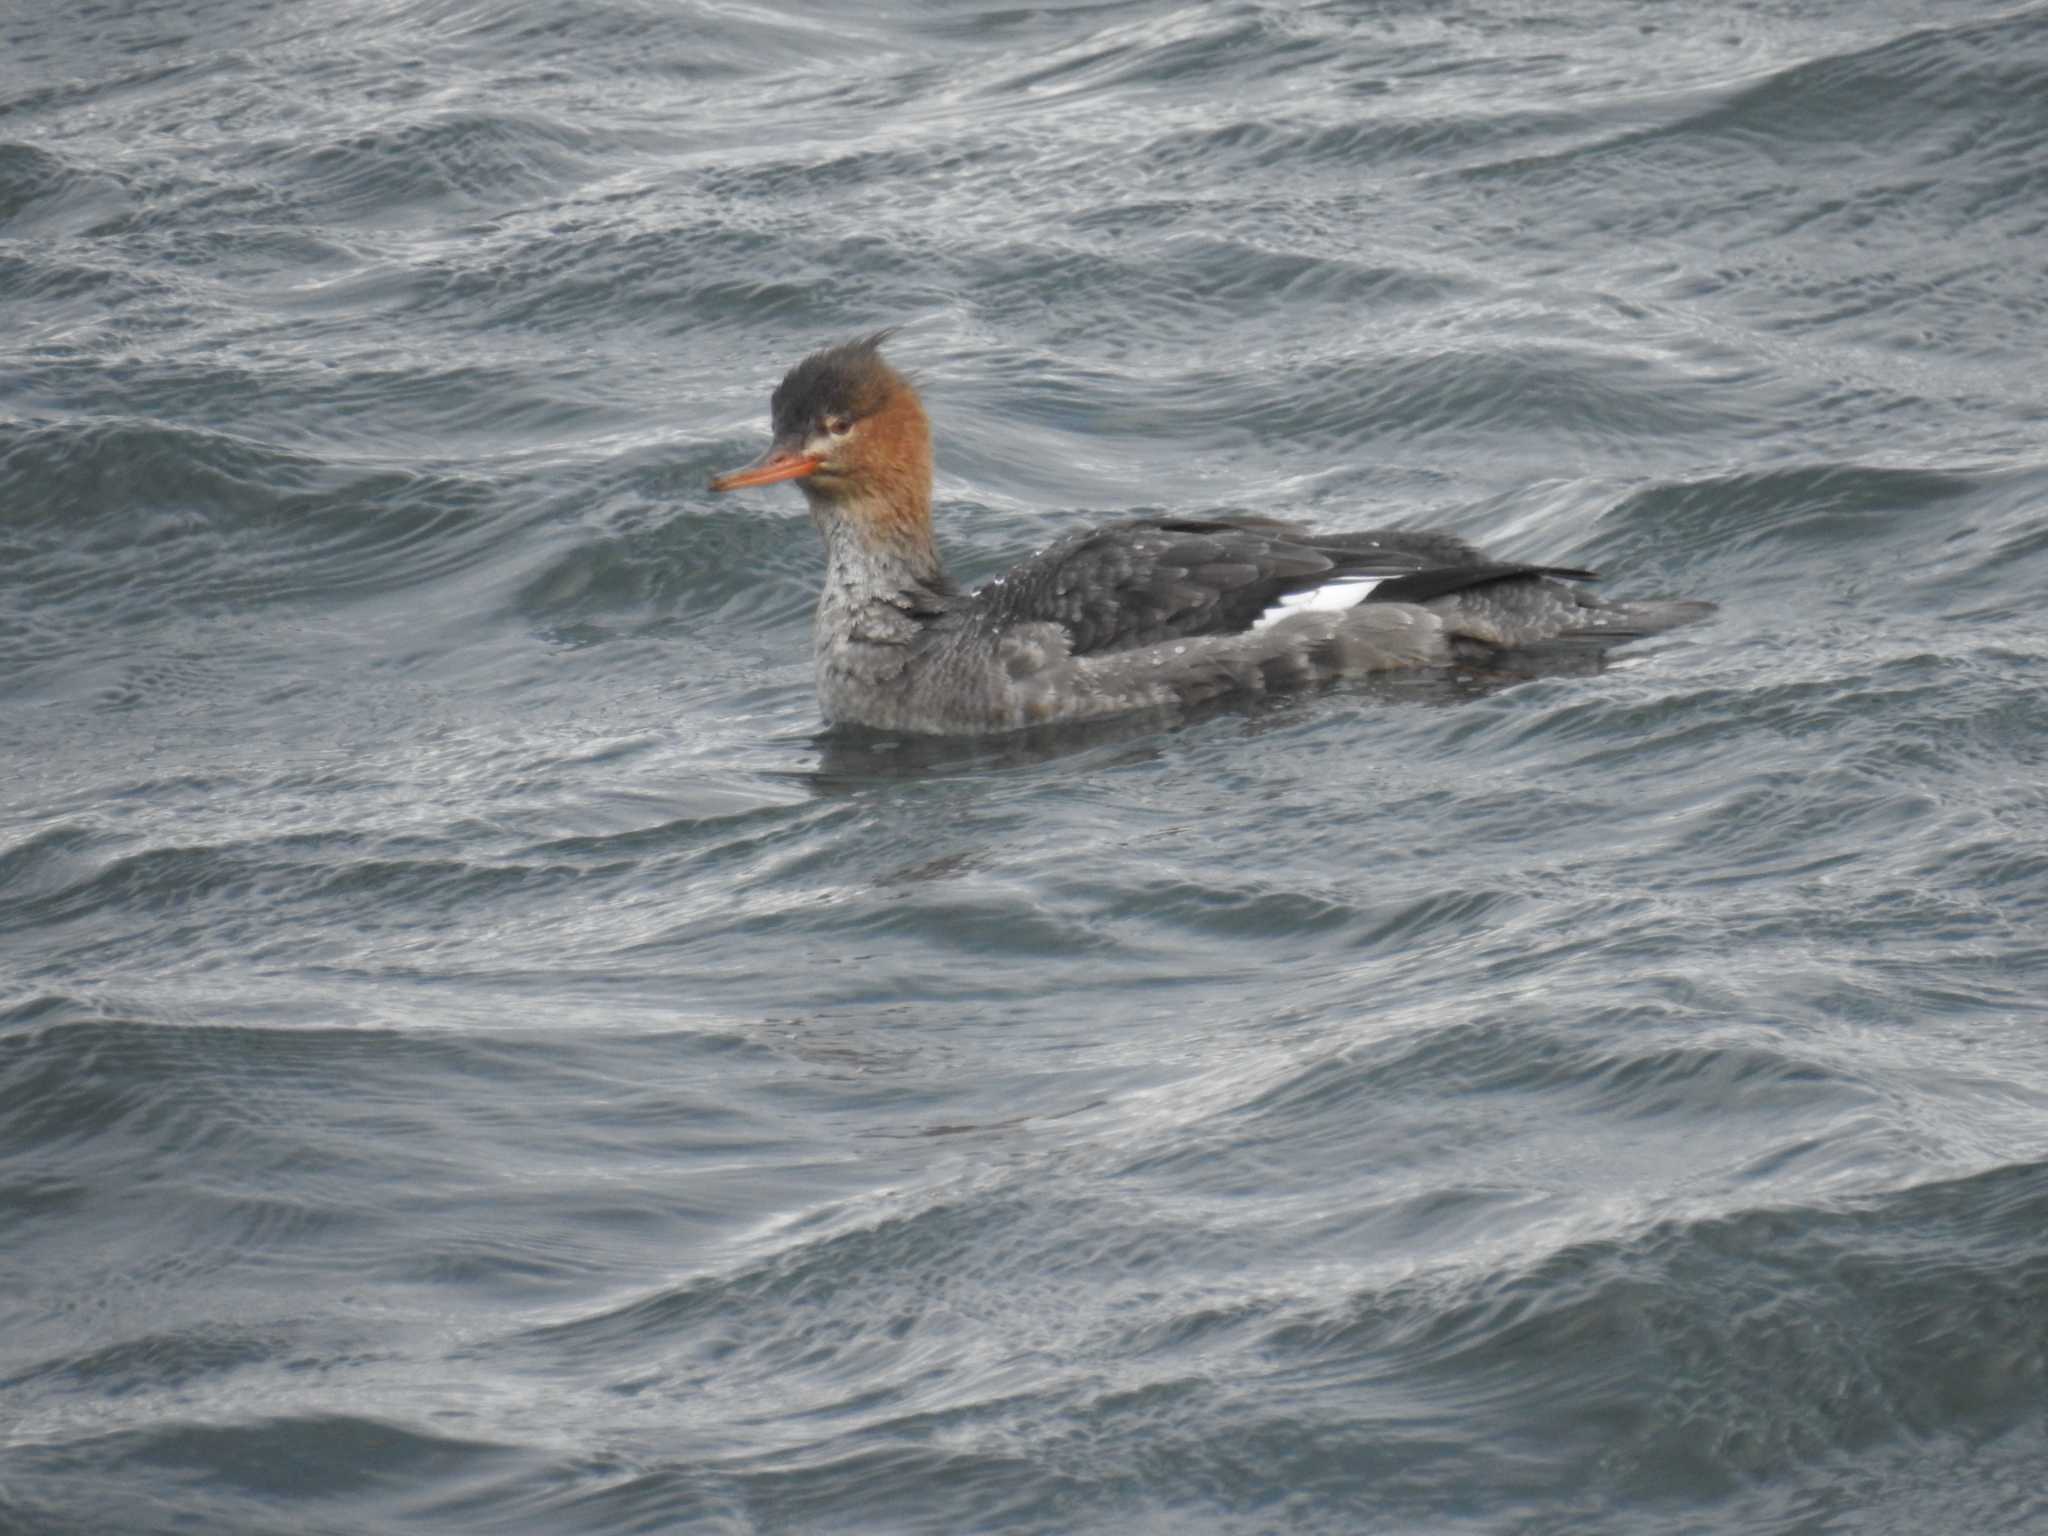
(1141, 583)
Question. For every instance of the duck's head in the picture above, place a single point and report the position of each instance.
(848, 429)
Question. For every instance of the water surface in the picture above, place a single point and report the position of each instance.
(474, 1058)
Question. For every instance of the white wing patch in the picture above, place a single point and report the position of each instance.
(1330, 597)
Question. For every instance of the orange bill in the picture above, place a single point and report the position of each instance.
(778, 463)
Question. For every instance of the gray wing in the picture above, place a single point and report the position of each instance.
(1140, 583)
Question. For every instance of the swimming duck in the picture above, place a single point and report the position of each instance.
(1154, 613)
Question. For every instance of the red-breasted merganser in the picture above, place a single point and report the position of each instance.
(1156, 613)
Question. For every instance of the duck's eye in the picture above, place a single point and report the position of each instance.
(838, 426)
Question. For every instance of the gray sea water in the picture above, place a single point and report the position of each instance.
(475, 1058)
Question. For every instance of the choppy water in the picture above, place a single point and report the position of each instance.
(473, 1059)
